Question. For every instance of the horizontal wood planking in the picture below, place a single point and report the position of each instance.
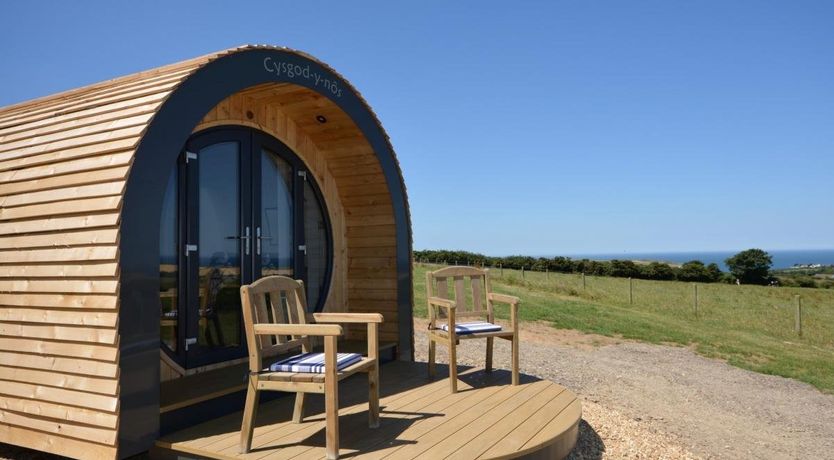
(56, 411)
(106, 269)
(44, 347)
(64, 180)
(117, 112)
(100, 402)
(61, 239)
(76, 136)
(73, 286)
(50, 378)
(64, 117)
(50, 224)
(36, 110)
(105, 335)
(59, 364)
(87, 433)
(72, 165)
(86, 140)
(82, 206)
(71, 153)
(63, 194)
(102, 302)
(60, 445)
(67, 317)
(81, 253)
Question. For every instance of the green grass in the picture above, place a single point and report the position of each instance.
(751, 327)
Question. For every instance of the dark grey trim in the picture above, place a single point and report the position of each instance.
(139, 244)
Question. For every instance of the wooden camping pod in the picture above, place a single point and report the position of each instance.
(81, 181)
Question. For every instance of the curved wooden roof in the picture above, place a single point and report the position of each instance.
(65, 161)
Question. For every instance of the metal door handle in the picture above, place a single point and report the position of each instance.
(246, 237)
(258, 239)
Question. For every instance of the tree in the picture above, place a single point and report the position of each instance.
(714, 272)
(694, 271)
(751, 266)
(659, 271)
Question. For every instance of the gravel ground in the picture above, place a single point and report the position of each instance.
(653, 401)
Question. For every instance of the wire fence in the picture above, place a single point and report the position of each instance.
(787, 312)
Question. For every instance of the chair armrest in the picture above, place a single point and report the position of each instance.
(503, 298)
(440, 302)
(298, 329)
(347, 317)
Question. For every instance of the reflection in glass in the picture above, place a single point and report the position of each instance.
(168, 264)
(219, 246)
(315, 234)
(276, 216)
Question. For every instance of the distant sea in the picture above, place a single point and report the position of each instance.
(781, 258)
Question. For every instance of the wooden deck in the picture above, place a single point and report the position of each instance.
(488, 418)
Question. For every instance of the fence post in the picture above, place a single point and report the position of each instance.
(798, 325)
(583, 281)
(522, 272)
(695, 293)
(630, 291)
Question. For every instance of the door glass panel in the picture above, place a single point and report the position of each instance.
(168, 265)
(315, 236)
(219, 246)
(276, 216)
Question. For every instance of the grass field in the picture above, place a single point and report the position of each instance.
(751, 327)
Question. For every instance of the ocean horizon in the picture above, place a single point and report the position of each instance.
(781, 258)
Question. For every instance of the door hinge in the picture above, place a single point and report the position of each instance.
(190, 156)
(190, 248)
(190, 341)
(303, 247)
(303, 175)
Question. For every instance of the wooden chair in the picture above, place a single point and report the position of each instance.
(276, 321)
(451, 332)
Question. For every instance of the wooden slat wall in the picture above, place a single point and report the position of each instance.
(64, 163)
(351, 179)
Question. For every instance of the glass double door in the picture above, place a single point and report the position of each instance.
(242, 202)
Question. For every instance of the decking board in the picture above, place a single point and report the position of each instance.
(487, 418)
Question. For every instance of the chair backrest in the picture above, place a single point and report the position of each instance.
(470, 297)
(273, 300)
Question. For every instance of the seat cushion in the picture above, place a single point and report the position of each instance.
(473, 327)
(313, 362)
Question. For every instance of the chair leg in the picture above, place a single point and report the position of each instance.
(331, 399)
(515, 359)
(373, 397)
(432, 347)
(298, 410)
(250, 411)
(489, 342)
(453, 366)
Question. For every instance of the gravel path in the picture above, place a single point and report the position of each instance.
(653, 401)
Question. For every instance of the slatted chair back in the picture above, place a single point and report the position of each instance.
(275, 300)
(470, 286)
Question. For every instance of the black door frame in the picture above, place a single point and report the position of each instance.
(250, 142)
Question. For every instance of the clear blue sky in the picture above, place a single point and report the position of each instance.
(535, 127)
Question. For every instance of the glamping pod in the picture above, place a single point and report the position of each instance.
(131, 211)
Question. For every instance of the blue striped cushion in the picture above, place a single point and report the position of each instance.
(313, 362)
(473, 327)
